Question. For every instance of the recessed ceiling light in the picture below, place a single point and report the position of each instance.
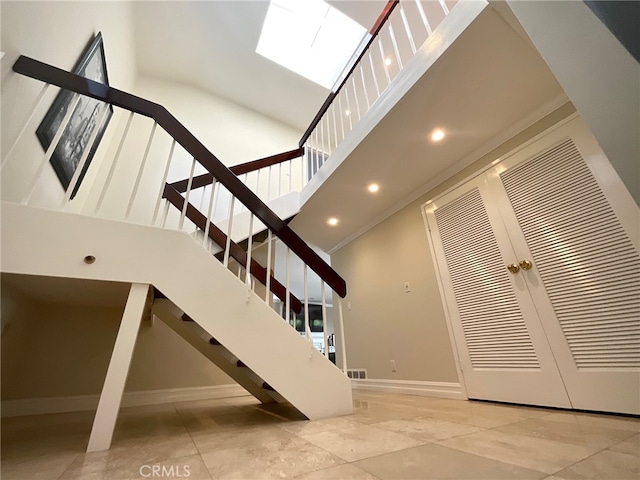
(347, 112)
(437, 135)
(387, 61)
(333, 221)
(373, 188)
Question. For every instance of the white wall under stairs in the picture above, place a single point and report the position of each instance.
(47, 243)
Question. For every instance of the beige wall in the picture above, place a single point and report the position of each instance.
(232, 133)
(51, 350)
(385, 323)
(56, 33)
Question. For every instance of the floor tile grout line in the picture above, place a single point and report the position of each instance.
(595, 453)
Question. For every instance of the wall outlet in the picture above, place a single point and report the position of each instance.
(393, 366)
(407, 287)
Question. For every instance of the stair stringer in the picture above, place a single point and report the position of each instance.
(168, 313)
(48, 243)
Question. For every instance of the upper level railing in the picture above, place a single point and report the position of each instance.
(219, 235)
(401, 29)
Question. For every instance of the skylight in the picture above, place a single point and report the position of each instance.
(309, 37)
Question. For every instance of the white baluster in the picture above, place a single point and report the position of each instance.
(384, 61)
(52, 147)
(355, 96)
(249, 252)
(212, 198)
(183, 214)
(204, 192)
(227, 249)
(329, 149)
(395, 47)
(341, 116)
(314, 165)
(288, 291)
(291, 174)
(269, 184)
(280, 180)
(267, 292)
(423, 16)
(407, 29)
(349, 112)
(373, 71)
(76, 175)
(32, 111)
(165, 214)
(342, 342)
(335, 125)
(258, 184)
(307, 328)
(364, 87)
(325, 326)
(140, 170)
(163, 183)
(445, 9)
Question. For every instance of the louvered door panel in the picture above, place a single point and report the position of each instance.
(589, 266)
(492, 322)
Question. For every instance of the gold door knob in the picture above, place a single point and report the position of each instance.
(513, 268)
(525, 264)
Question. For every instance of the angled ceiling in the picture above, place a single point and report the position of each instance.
(211, 45)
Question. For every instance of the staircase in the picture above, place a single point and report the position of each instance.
(228, 319)
(186, 252)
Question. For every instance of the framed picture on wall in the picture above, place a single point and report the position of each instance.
(83, 121)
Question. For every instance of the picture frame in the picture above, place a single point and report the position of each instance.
(67, 155)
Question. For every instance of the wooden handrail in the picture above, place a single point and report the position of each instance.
(206, 178)
(377, 26)
(235, 250)
(76, 83)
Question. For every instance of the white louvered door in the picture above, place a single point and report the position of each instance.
(558, 204)
(502, 348)
(566, 211)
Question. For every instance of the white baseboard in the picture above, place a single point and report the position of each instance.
(79, 403)
(412, 387)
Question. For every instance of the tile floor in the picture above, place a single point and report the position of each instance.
(389, 436)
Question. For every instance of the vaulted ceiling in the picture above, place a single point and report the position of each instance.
(211, 45)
